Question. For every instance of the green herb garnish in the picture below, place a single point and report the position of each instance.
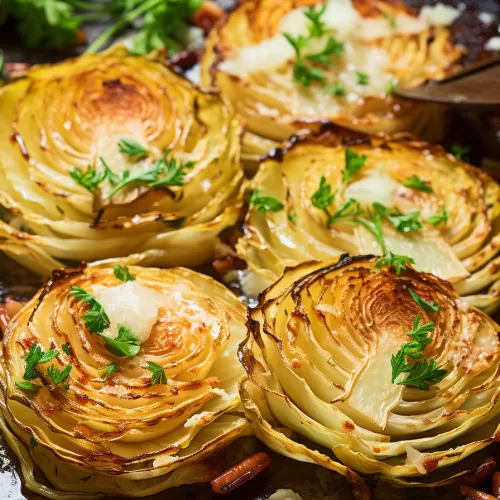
(374, 224)
(390, 19)
(302, 72)
(131, 148)
(459, 151)
(323, 196)
(110, 369)
(404, 222)
(353, 164)
(122, 273)
(398, 262)
(335, 89)
(36, 356)
(59, 376)
(416, 182)
(423, 374)
(420, 374)
(348, 209)
(317, 26)
(66, 348)
(292, 217)
(391, 87)
(333, 48)
(28, 386)
(33, 443)
(428, 306)
(435, 220)
(262, 203)
(164, 172)
(90, 179)
(306, 75)
(96, 319)
(157, 374)
(363, 78)
(125, 343)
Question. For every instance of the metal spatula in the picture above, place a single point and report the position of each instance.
(476, 86)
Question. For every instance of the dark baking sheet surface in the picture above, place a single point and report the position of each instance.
(310, 481)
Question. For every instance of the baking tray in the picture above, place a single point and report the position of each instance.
(480, 131)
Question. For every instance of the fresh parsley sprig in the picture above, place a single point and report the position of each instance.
(459, 151)
(353, 164)
(333, 48)
(158, 375)
(437, 219)
(423, 374)
(401, 222)
(125, 343)
(317, 27)
(398, 262)
(323, 198)
(391, 20)
(28, 386)
(130, 147)
(36, 356)
(123, 274)
(420, 374)
(347, 210)
(96, 319)
(59, 376)
(362, 78)
(335, 89)
(262, 203)
(404, 222)
(304, 73)
(428, 306)
(164, 22)
(164, 172)
(374, 224)
(110, 369)
(419, 184)
(91, 179)
(57, 23)
(391, 87)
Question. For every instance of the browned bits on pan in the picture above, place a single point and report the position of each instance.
(228, 263)
(16, 70)
(240, 473)
(207, 15)
(495, 485)
(360, 489)
(483, 472)
(472, 494)
(185, 59)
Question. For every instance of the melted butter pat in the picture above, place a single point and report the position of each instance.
(130, 304)
(378, 187)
